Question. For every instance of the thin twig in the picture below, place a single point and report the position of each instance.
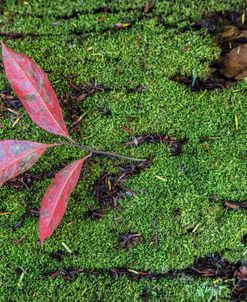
(96, 152)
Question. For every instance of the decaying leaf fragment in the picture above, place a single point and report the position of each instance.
(236, 205)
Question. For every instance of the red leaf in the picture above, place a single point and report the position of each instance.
(18, 156)
(32, 87)
(56, 198)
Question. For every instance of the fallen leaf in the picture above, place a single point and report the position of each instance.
(234, 63)
(32, 87)
(126, 129)
(56, 198)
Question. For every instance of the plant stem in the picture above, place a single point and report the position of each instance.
(96, 152)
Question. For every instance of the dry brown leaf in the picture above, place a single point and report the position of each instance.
(234, 63)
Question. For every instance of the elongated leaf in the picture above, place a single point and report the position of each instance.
(18, 156)
(56, 198)
(32, 87)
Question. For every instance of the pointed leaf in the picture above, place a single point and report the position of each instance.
(18, 156)
(56, 198)
(32, 87)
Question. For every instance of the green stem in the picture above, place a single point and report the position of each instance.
(93, 151)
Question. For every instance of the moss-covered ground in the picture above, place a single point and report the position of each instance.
(70, 40)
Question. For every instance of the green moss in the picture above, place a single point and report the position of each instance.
(146, 54)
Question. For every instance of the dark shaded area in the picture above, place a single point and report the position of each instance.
(115, 273)
(229, 31)
(9, 107)
(244, 239)
(20, 35)
(123, 24)
(2, 3)
(211, 83)
(174, 143)
(147, 11)
(26, 180)
(234, 275)
(58, 255)
(9, 100)
(109, 188)
(16, 35)
(215, 22)
(99, 10)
